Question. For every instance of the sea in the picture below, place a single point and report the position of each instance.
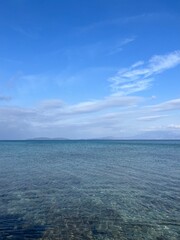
(90, 189)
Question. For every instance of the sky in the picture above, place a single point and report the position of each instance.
(85, 69)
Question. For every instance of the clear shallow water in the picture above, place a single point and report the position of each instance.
(90, 190)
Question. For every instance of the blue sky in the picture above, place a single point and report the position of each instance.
(89, 69)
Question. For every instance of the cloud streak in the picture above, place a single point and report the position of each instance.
(174, 126)
(173, 104)
(140, 75)
(117, 114)
(108, 102)
(151, 118)
(119, 47)
(5, 98)
(113, 116)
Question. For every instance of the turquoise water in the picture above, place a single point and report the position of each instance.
(90, 190)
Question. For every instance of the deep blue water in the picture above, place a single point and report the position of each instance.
(90, 190)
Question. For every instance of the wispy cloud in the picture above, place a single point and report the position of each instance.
(112, 116)
(123, 21)
(116, 114)
(58, 107)
(174, 126)
(119, 47)
(151, 118)
(127, 40)
(140, 75)
(5, 98)
(69, 121)
(109, 102)
(173, 104)
(25, 32)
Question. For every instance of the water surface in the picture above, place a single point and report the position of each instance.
(106, 190)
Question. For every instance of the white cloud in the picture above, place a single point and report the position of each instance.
(112, 116)
(119, 47)
(53, 118)
(140, 75)
(127, 40)
(173, 104)
(153, 97)
(108, 102)
(123, 21)
(13, 114)
(137, 64)
(174, 126)
(151, 118)
(60, 110)
(115, 115)
(161, 63)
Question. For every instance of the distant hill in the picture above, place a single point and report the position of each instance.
(154, 135)
(45, 138)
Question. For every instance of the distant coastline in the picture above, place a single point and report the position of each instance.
(45, 138)
(94, 139)
(99, 139)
